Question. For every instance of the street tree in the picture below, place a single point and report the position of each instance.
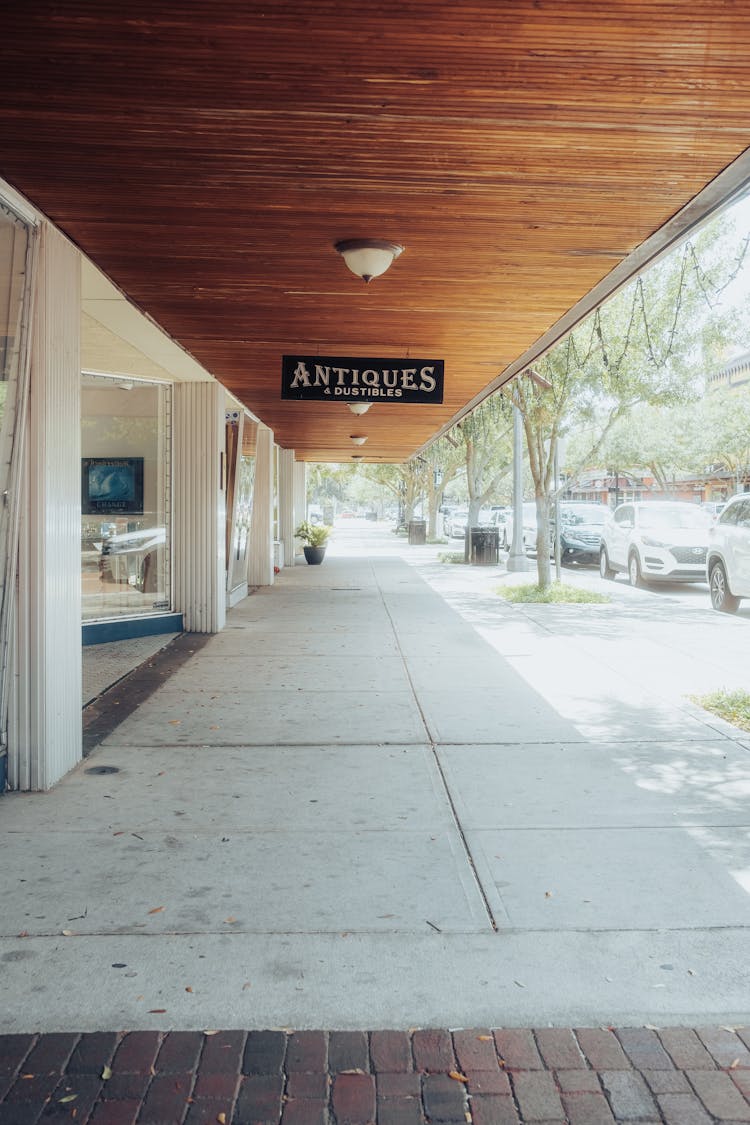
(485, 440)
(445, 459)
(644, 345)
(724, 433)
(407, 483)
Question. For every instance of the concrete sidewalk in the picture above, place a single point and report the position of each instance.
(349, 810)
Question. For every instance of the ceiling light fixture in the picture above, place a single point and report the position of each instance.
(368, 257)
(358, 439)
(359, 407)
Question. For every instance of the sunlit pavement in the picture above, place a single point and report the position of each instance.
(365, 805)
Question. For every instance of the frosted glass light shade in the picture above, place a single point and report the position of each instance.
(368, 257)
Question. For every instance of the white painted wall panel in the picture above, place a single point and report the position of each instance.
(199, 506)
(286, 504)
(260, 561)
(46, 711)
(300, 498)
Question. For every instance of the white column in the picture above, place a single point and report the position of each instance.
(286, 504)
(199, 537)
(300, 496)
(45, 707)
(260, 561)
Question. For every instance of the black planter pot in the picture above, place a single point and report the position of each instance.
(314, 555)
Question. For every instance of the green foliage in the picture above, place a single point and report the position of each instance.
(734, 706)
(556, 593)
(644, 345)
(314, 534)
(451, 557)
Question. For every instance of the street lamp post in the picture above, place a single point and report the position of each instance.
(517, 558)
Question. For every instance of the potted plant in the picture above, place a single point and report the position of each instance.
(315, 537)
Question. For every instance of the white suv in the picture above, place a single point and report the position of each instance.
(728, 560)
(655, 540)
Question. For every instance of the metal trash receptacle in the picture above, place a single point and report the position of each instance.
(484, 546)
(417, 532)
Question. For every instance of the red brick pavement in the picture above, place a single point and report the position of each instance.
(544, 1076)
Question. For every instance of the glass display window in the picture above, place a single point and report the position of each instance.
(125, 497)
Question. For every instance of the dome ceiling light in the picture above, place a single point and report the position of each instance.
(359, 407)
(368, 257)
(358, 439)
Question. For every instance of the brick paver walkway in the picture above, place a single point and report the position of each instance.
(548, 1076)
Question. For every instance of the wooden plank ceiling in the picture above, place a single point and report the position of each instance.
(207, 155)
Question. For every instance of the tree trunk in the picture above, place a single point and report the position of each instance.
(543, 569)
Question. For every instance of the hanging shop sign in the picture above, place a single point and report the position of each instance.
(320, 378)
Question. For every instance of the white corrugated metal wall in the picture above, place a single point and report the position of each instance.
(199, 504)
(45, 731)
(260, 560)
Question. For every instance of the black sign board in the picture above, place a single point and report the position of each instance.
(322, 378)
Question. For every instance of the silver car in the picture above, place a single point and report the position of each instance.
(728, 559)
(656, 540)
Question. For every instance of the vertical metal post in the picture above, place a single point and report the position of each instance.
(558, 558)
(517, 557)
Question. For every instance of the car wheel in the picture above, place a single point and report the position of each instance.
(721, 597)
(634, 570)
(605, 569)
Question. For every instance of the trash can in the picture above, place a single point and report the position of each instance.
(485, 545)
(417, 532)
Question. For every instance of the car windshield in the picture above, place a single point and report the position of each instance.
(673, 517)
(584, 513)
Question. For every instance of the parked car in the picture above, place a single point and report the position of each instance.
(728, 559)
(581, 526)
(529, 529)
(455, 524)
(660, 540)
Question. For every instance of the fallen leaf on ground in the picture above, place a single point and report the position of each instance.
(67, 1098)
(734, 1065)
(519, 983)
(24, 933)
(175, 722)
(230, 920)
(156, 910)
(457, 1076)
(211, 1031)
(67, 933)
(221, 1118)
(246, 985)
(484, 1038)
(188, 989)
(106, 1073)
(157, 1011)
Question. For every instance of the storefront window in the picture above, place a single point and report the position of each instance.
(125, 533)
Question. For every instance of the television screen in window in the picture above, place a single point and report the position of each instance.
(112, 485)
